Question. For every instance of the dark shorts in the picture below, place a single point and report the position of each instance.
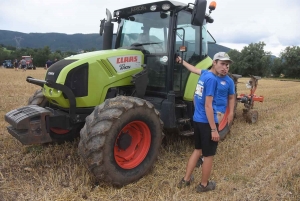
(23, 66)
(202, 134)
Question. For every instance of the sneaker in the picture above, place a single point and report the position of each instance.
(211, 185)
(199, 162)
(184, 183)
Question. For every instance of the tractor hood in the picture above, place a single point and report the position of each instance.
(90, 75)
(118, 60)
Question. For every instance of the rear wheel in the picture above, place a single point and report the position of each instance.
(121, 139)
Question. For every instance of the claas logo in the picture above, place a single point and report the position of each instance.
(127, 59)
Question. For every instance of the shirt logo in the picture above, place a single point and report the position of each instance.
(223, 83)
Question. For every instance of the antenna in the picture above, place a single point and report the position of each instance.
(18, 42)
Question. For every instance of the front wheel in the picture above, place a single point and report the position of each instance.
(121, 139)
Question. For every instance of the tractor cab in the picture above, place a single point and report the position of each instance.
(161, 30)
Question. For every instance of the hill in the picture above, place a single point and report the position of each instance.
(66, 42)
(56, 41)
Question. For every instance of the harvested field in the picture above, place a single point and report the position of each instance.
(254, 162)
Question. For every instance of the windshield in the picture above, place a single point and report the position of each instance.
(148, 31)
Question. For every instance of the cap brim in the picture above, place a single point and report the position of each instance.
(226, 60)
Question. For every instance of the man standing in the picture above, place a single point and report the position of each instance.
(23, 64)
(225, 89)
(16, 65)
(48, 64)
(205, 122)
(226, 96)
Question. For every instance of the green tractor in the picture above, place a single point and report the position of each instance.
(120, 99)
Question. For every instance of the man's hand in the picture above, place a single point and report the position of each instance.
(178, 59)
(215, 136)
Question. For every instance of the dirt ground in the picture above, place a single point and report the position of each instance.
(254, 162)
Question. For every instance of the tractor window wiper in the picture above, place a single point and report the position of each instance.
(140, 44)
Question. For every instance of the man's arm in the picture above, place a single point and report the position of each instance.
(210, 117)
(190, 67)
(231, 101)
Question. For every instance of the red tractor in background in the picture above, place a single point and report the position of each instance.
(29, 62)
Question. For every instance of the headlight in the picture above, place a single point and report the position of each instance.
(117, 13)
(153, 7)
(166, 6)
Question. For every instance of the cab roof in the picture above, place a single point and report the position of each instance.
(144, 8)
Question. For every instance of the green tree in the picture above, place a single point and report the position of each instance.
(252, 60)
(42, 56)
(266, 62)
(291, 61)
(236, 57)
(4, 54)
(277, 67)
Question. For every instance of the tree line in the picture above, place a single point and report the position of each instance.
(40, 55)
(251, 60)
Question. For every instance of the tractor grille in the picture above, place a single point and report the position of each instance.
(56, 68)
(77, 80)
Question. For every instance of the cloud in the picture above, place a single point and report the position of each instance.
(236, 22)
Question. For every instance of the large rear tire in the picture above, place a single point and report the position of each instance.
(121, 139)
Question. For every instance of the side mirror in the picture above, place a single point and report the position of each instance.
(102, 26)
(198, 13)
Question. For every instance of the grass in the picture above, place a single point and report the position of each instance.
(254, 162)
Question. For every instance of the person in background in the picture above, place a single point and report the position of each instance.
(16, 64)
(48, 64)
(205, 122)
(23, 64)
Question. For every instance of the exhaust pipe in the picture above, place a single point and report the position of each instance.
(108, 32)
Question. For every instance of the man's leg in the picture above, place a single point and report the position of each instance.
(209, 150)
(192, 163)
(206, 169)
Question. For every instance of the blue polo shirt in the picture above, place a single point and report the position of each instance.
(225, 88)
(206, 86)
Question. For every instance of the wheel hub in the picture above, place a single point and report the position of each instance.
(124, 140)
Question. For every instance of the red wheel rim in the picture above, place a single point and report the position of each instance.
(59, 131)
(138, 148)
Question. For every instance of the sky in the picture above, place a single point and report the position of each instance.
(237, 23)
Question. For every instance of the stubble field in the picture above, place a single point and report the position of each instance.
(254, 162)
